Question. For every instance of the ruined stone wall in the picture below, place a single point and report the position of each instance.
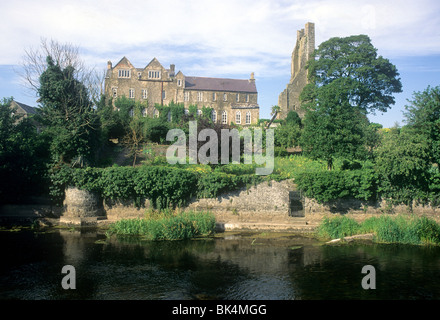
(82, 203)
(305, 45)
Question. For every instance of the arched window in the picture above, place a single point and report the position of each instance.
(224, 117)
(248, 117)
(214, 116)
(238, 117)
(155, 113)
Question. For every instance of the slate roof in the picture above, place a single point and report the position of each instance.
(220, 84)
(26, 108)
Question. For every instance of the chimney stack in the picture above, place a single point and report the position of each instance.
(109, 65)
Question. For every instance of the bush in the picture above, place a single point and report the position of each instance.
(164, 186)
(325, 186)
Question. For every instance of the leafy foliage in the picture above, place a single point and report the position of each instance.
(325, 186)
(164, 186)
(23, 157)
(402, 164)
(67, 114)
(347, 81)
(423, 115)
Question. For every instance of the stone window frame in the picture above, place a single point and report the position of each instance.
(186, 96)
(124, 73)
(115, 92)
(248, 117)
(179, 82)
(131, 93)
(144, 94)
(214, 96)
(247, 97)
(237, 97)
(154, 74)
(199, 96)
(224, 117)
(164, 95)
(225, 96)
(144, 112)
(214, 116)
(238, 117)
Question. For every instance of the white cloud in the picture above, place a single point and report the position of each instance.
(220, 36)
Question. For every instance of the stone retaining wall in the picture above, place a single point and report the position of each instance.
(267, 202)
(355, 206)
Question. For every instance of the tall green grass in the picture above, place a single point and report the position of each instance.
(168, 226)
(399, 229)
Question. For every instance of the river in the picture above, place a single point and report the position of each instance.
(231, 266)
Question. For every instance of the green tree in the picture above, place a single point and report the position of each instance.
(67, 113)
(347, 81)
(23, 157)
(337, 132)
(423, 115)
(288, 133)
(402, 163)
(352, 63)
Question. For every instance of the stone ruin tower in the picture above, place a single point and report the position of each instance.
(304, 48)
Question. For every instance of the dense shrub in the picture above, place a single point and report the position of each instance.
(164, 186)
(331, 185)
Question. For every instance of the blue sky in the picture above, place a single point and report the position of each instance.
(228, 38)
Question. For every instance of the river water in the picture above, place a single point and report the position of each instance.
(233, 266)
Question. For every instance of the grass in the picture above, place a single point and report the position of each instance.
(400, 229)
(166, 225)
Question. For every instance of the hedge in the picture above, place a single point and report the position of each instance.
(164, 186)
(325, 186)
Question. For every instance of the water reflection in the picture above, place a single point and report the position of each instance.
(229, 267)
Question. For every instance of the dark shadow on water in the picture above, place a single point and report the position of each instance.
(230, 266)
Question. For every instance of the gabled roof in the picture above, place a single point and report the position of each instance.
(125, 61)
(154, 61)
(25, 107)
(220, 84)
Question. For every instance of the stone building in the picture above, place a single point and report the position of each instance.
(21, 109)
(304, 48)
(232, 100)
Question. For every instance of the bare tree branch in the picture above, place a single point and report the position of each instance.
(34, 64)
